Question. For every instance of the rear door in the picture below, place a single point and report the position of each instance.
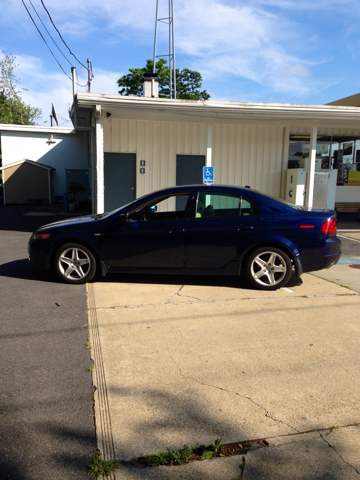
(223, 228)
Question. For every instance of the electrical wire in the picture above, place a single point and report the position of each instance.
(51, 20)
(45, 40)
(57, 61)
(49, 33)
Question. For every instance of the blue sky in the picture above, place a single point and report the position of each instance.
(282, 51)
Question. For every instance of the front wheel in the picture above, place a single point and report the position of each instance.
(74, 263)
(268, 268)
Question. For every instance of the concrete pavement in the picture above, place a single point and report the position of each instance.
(182, 363)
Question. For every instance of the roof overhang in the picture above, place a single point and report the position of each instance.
(36, 129)
(29, 162)
(163, 109)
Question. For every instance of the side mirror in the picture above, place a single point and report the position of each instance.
(153, 209)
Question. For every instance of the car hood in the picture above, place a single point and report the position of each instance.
(71, 221)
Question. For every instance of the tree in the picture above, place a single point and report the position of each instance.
(188, 82)
(12, 108)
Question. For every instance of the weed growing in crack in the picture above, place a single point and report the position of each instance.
(171, 457)
(214, 448)
(91, 368)
(88, 346)
(99, 467)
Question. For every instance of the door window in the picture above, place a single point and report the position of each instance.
(172, 207)
(222, 205)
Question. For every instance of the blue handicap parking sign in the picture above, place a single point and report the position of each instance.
(208, 175)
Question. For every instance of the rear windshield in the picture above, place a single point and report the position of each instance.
(295, 207)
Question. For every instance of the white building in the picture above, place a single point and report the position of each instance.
(62, 149)
(142, 144)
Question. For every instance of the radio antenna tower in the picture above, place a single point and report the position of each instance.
(171, 55)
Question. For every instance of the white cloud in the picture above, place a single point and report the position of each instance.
(263, 43)
(297, 70)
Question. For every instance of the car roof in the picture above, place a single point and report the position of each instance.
(201, 186)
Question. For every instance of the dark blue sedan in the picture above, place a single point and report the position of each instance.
(196, 229)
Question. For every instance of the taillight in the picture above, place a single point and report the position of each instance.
(329, 226)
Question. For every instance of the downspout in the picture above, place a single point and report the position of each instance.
(49, 185)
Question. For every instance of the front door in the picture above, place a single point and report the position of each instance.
(119, 179)
(153, 237)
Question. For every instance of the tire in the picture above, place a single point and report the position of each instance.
(74, 263)
(268, 268)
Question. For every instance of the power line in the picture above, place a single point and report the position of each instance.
(49, 33)
(57, 61)
(45, 40)
(61, 36)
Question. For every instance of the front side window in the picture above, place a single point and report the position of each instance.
(220, 205)
(162, 209)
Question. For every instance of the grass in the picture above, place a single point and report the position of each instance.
(170, 457)
(91, 368)
(214, 448)
(99, 467)
(88, 346)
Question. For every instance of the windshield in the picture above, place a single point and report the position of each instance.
(106, 214)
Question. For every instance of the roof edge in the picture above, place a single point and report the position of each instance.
(8, 127)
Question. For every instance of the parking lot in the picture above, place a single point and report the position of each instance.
(178, 361)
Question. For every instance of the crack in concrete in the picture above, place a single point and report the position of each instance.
(267, 413)
(182, 338)
(322, 436)
(174, 295)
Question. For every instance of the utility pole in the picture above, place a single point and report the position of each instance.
(171, 55)
(90, 74)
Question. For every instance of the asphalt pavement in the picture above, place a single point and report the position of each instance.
(46, 412)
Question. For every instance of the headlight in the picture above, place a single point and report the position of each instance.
(40, 236)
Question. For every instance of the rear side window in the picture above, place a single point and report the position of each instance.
(220, 205)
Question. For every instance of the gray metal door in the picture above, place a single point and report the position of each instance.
(189, 169)
(119, 179)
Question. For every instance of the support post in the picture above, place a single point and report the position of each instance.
(99, 149)
(285, 161)
(311, 172)
(209, 145)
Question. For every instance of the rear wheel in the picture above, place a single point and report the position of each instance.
(74, 263)
(268, 268)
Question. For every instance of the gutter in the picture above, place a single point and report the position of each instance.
(231, 109)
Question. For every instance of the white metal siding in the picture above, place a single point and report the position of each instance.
(157, 143)
(248, 155)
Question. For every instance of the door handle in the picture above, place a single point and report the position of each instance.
(242, 228)
(176, 230)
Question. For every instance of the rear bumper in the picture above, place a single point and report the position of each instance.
(324, 257)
